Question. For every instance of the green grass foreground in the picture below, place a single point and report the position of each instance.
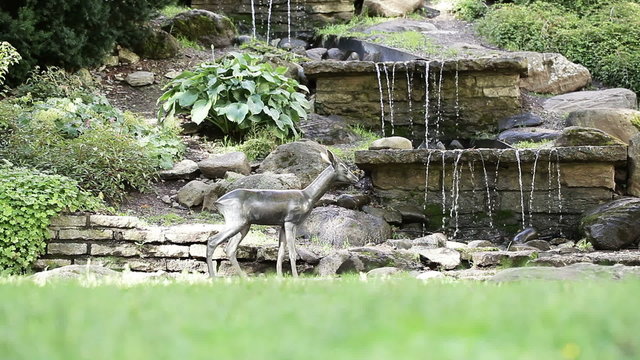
(321, 319)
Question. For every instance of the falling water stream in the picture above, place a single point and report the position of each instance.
(410, 114)
(486, 183)
(253, 18)
(381, 98)
(289, 21)
(392, 93)
(269, 20)
(533, 185)
(521, 187)
(439, 117)
(426, 190)
(455, 191)
(426, 104)
(389, 93)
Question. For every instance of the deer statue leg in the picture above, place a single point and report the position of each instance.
(290, 232)
(281, 244)
(216, 240)
(232, 248)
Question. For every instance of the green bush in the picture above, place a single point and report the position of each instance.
(603, 36)
(54, 82)
(108, 152)
(238, 95)
(8, 57)
(28, 199)
(71, 33)
(470, 10)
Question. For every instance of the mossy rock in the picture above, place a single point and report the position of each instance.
(205, 27)
(614, 225)
(158, 44)
(584, 136)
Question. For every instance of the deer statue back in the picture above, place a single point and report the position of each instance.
(286, 208)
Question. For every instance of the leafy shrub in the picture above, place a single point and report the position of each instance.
(238, 95)
(258, 147)
(8, 57)
(606, 39)
(71, 33)
(470, 10)
(28, 199)
(105, 150)
(54, 82)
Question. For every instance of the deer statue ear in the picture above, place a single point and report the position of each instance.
(332, 158)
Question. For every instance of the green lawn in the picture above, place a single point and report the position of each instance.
(321, 319)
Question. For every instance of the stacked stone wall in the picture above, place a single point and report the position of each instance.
(466, 99)
(305, 15)
(489, 202)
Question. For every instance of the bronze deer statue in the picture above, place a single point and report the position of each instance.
(287, 208)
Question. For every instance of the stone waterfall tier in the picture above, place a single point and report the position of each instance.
(491, 193)
(466, 96)
(300, 15)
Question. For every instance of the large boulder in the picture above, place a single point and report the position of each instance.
(390, 8)
(302, 158)
(342, 227)
(584, 136)
(204, 27)
(621, 123)
(364, 259)
(185, 169)
(266, 181)
(551, 73)
(614, 225)
(581, 100)
(633, 178)
(327, 130)
(520, 120)
(157, 44)
(217, 166)
(193, 193)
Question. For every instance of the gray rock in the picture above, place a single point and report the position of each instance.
(393, 217)
(411, 213)
(520, 120)
(384, 272)
(185, 169)
(216, 166)
(353, 56)
(390, 8)
(437, 240)
(615, 122)
(302, 158)
(393, 142)
(242, 39)
(400, 243)
(292, 43)
(336, 54)
(365, 259)
(353, 202)
(533, 134)
(583, 136)
(480, 244)
(126, 56)
(614, 225)
(502, 258)
(316, 54)
(140, 78)
(633, 178)
(266, 181)
(327, 130)
(205, 27)
(341, 227)
(581, 100)
(193, 193)
(579, 271)
(443, 258)
(430, 275)
(551, 73)
(539, 244)
(74, 272)
(563, 257)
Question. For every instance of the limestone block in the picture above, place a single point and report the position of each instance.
(125, 222)
(147, 264)
(66, 249)
(551, 73)
(50, 263)
(88, 234)
(186, 265)
(174, 251)
(588, 175)
(216, 166)
(191, 233)
(615, 122)
(152, 235)
(126, 250)
(62, 221)
(140, 78)
(502, 258)
(633, 180)
(243, 252)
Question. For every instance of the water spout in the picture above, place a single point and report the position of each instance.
(521, 187)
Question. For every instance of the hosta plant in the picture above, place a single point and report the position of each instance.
(237, 94)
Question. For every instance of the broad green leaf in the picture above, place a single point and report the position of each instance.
(188, 98)
(236, 112)
(255, 104)
(200, 110)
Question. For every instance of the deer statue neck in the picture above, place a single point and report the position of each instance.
(320, 185)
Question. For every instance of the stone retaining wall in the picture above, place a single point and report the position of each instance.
(116, 241)
(467, 97)
(305, 15)
(490, 206)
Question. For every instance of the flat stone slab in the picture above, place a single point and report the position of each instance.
(368, 158)
(624, 257)
(578, 271)
(514, 64)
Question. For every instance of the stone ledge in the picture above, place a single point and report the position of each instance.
(85, 234)
(67, 248)
(127, 222)
(63, 221)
